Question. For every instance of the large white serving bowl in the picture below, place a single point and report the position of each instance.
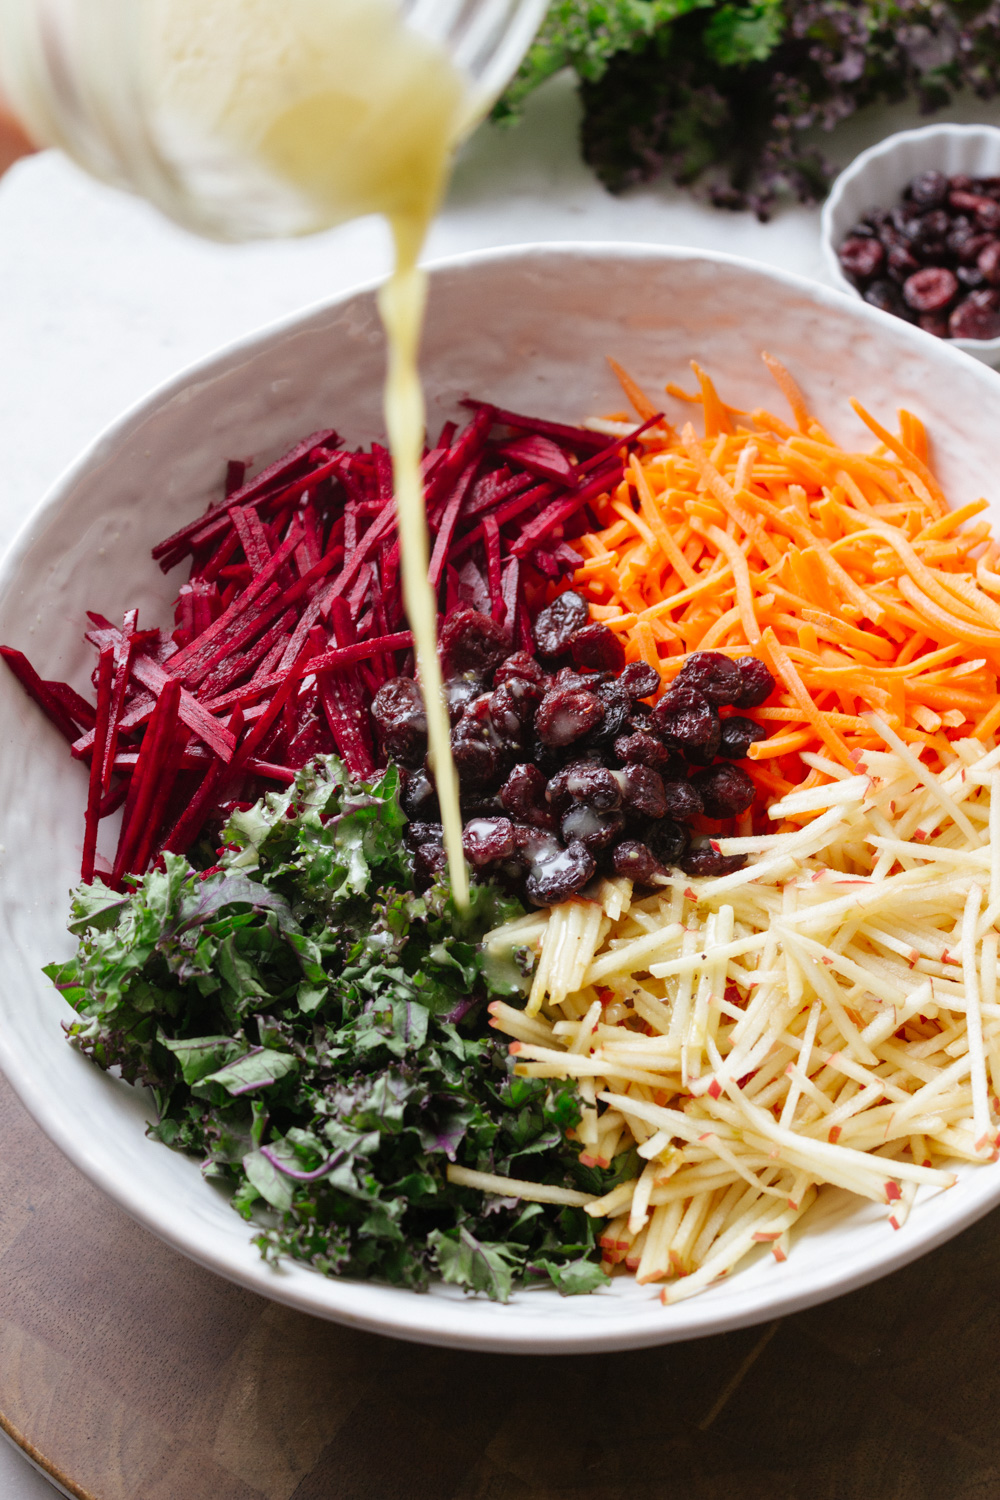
(527, 327)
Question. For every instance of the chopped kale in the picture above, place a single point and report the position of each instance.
(315, 1031)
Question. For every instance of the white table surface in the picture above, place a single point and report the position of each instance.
(100, 299)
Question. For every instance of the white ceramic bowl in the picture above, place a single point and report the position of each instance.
(526, 327)
(877, 177)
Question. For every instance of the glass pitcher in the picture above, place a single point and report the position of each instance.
(143, 93)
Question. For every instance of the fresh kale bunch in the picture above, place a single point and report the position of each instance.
(315, 1031)
(721, 93)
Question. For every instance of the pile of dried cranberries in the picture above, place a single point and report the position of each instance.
(934, 259)
(564, 769)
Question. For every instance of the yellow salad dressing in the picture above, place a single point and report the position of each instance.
(349, 113)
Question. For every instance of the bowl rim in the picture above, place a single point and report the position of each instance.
(980, 349)
(471, 1323)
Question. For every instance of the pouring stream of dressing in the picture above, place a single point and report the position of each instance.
(352, 113)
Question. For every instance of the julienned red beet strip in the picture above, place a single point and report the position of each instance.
(383, 471)
(508, 512)
(541, 456)
(236, 473)
(555, 514)
(251, 744)
(343, 656)
(579, 436)
(376, 533)
(469, 447)
(230, 673)
(251, 533)
(486, 495)
(359, 592)
(153, 677)
(143, 787)
(252, 491)
(510, 592)
(343, 701)
(69, 699)
(491, 544)
(112, 801)
(138, 711)
(35, 688)
(124, 657)
(216, 525)
(260, 614)
(95, 790)
(166, 777)
(449, 520)
(220, 626)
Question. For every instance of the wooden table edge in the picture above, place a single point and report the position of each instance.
(63, 1481)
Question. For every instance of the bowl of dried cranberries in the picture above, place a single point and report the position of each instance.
(913, 227)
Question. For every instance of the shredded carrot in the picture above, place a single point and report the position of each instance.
(845, 571)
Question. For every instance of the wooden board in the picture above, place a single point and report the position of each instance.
(131, 1374)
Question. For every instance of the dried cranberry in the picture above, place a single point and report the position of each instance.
(756, 682)
(714, 676)
(885, 296)
(523, 794)
(512, 705)
(930, 290)
(970, 276)
(988, 262)
(959, 182)
(559, 873)
(460, 692)
(972, 246)
(477, 762)
(933, 227)
(416, 834)
(565, 715)
(554, 626)
(725, 791)
(641, 749)
(901, 263)
(977, 316)
(597, 649)
(686, 719)
(668, 840)
(636, 862)
(595, 830)
(471, 642)
(569, 677)
(486, 840)
(863, 230)
(642, 792)
(585, 781)
(702, 859)
(523, 667)
(639, 680)
(682, 800)
(935, 323)
(430, 861)
(861, 258)
(929, 190)
(738, 734)
(617, 713)
(401, 720)
(418, 798)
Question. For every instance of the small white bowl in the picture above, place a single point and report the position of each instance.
(877, 177)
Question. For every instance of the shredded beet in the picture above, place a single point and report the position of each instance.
(292, 618)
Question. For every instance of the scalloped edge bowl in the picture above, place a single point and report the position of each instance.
(527, 326)
(877, 177)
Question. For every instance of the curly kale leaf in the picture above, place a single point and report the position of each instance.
(315, 1031)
